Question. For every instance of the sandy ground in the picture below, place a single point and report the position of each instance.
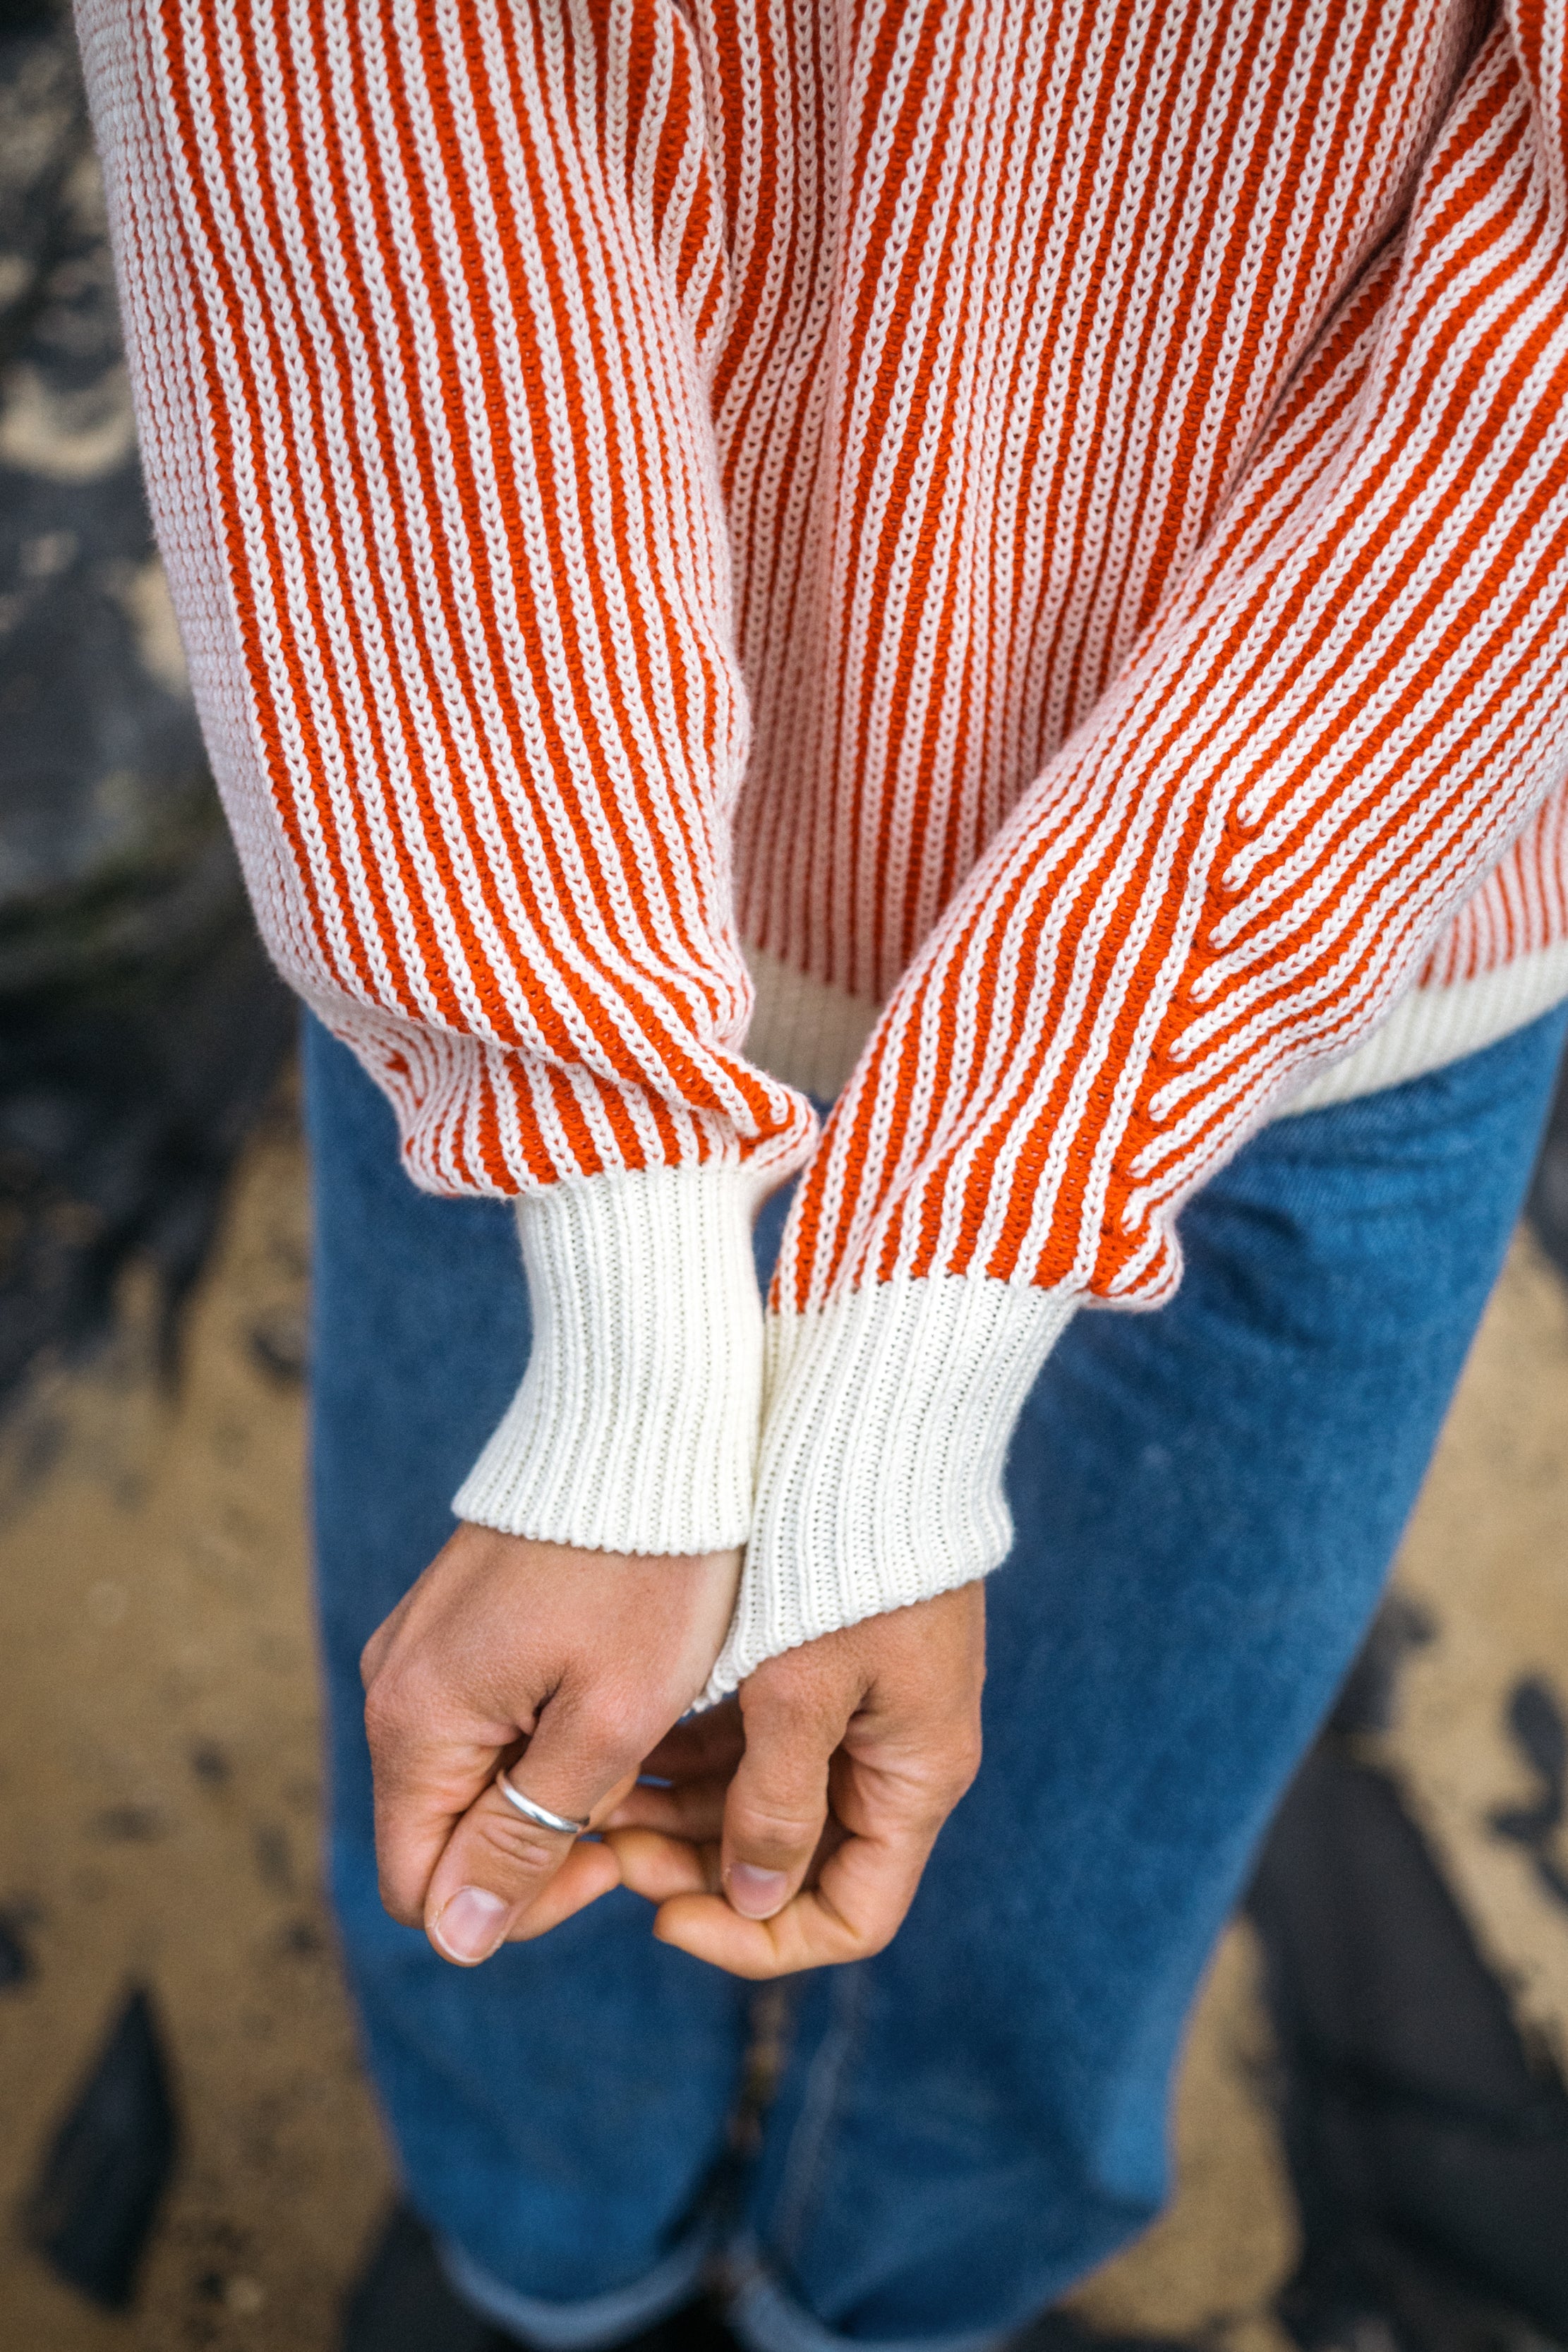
(159, 1785)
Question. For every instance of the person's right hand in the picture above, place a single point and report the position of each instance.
(568, 1668)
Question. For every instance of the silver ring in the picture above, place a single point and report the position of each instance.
(540, 1815)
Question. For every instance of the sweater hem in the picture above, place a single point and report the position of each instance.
(889, 1411)
(1435, 1025)
(635, 1427)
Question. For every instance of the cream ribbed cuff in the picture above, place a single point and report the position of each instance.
(636, 1426)
(888, 1417)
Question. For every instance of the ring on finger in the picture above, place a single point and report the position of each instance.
(540, 1815)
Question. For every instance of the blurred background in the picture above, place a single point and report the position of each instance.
(1373, 2127)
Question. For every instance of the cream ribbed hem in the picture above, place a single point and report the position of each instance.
(636, 1426)
(1434, 1026)
(888, 1416)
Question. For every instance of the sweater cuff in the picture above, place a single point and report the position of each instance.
(887, 1423)
(636, 1426)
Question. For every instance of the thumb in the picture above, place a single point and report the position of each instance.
(497, 1864)
(776, 1808)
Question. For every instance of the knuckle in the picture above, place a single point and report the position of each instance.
(608, 1725)
(401, 1699)
(779, 1682)
(760, 1831)
(792, 1719)
(516, 1846)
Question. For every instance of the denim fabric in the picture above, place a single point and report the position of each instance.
(1207, 1502)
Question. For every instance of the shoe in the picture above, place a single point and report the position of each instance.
(1058, 2331)
(404, 2302)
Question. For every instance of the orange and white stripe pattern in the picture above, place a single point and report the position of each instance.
(435, 290)
(1285, 723)
(1067, 368)
(1047, 516)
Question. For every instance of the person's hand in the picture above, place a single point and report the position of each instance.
(797, 1826)
(576, 1662)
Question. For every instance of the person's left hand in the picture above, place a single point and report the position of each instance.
(797, 1823)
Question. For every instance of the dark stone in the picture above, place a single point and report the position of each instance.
(279, 1343)
(210, 1765)
(1368, 1704)
(111, 844)
(1428, 2146)
(141, 1025)
(1535, 1719)
(274, 1862)
(301, 1940)
(1056, 2331)
(130, 1825)
(92, 2208)
(16, 1963)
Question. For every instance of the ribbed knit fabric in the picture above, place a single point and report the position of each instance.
(1434, 1026)
(634, 1428)
(1046, 517)
(889, 1413)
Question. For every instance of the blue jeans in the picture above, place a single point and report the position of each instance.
(1207, 1502)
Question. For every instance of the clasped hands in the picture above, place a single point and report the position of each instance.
(793, 1826)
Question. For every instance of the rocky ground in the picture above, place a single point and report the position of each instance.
(159, 1790)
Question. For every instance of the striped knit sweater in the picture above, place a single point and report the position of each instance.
(1007, 557)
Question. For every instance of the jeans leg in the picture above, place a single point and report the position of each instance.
(1207, 1500)
(557, 2113)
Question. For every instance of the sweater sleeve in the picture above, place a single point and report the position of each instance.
(420, 304)
(1349, 705)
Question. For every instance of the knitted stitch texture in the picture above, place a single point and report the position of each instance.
(1045, 519)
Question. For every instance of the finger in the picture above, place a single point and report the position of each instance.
(777, 1805)
(590, 1870)
(497, 1864)
(424, 1784)
(864, 1889)
(660, 1868)
(693, 1810)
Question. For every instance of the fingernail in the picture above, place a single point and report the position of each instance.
(756, 1894)
(469, 1928)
